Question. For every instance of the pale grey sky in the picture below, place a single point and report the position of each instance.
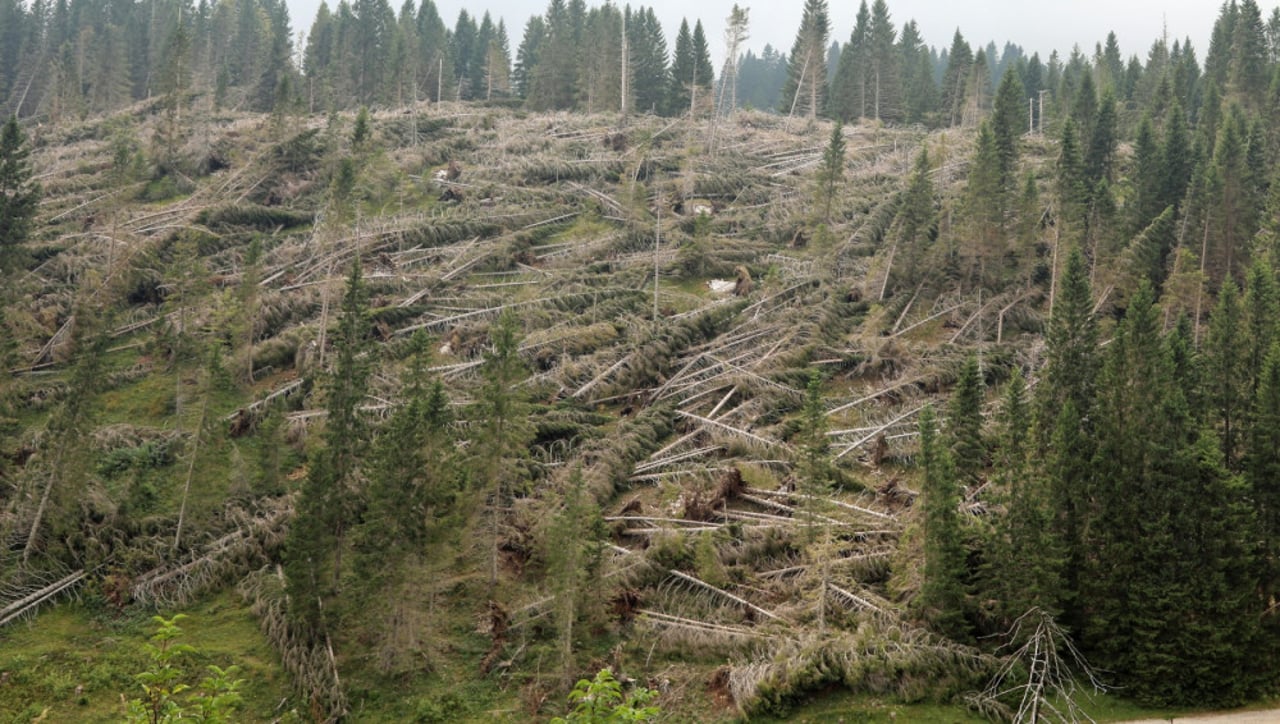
(1038, 26)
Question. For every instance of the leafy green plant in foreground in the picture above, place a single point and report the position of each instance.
(601, 701)
(217, 695)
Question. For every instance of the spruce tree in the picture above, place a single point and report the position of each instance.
(848, 100)
(1072, 188)
(1227, 360)
(1008, 121)
(816, 476)
(648, 50)
(573, 542)
(1261, 315)
(1100, 155)
(884, 72)
(1230, 201)
(955, 79)
(916, 225)
(919, 89)
(806, 85)
(1177, 156)
(328, 504)
(942, 594)
(1262, 470)
(1023, 567)
(683, 69)
(528, 55)
(1071, 363)
(361, 132)
(985, 197)
(1147, 178)
(410, 470)
(1084, 109)
(19, 195)
(964, 424)
(831, 172)
(1149, 250)
(501, 433)
(433, 43)
(1064, 439)
(702, 61)
(1247, 72)
(463, 44)
(1111, 64)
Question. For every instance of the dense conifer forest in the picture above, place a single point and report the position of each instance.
(407, 371)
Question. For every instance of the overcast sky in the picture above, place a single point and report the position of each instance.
(1038, 26)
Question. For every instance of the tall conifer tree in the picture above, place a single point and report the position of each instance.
(805, 90)
(327, 506)
(942, 594)
(19, 194)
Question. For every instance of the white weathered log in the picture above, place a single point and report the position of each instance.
(730, 429)
(721, 592)
(29, 602)
(868, 438)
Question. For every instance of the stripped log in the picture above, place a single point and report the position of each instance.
(28, 604)
(859, 601)
(725, 594)
(730, 429)
(690, 624)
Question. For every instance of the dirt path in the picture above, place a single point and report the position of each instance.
(1271, 716)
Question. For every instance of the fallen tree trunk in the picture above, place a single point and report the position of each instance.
(31, 601)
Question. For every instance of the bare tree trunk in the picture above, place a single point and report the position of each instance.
(626, 69)
(44, 504)
(795, 99)
(657, 244)
(693, 93)
(813, 91)
(888, 271)
(1204, 253)
(1053, 272)
(877, 93)
(191, 466)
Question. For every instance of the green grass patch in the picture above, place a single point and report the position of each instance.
(149, 401)
(836, 705)
(75, 647)
(840, 706)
